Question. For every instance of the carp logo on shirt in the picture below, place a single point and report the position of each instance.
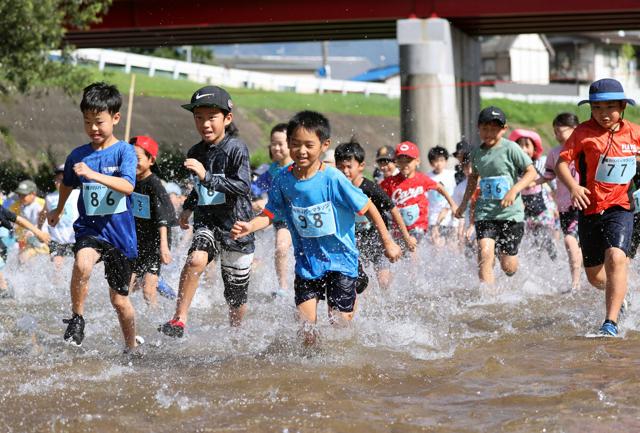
(629, 148)
(399, 196)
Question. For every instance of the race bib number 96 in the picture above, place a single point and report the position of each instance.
(494, 187)
(100, 200)
(314, 221)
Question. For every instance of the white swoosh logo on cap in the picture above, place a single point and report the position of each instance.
(495, 114)
(202, 96)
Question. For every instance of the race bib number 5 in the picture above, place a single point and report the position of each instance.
(314, 221)
(410, 214)
(617, 170)
(494, 187)
(100, 200)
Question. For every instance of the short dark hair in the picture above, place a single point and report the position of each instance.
(98, 97)
(437, 152)
(350, 150)
(311, 121)
(280, 127)
(566, 119)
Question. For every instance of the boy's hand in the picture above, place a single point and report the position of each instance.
(183, 219)
(392, 251)
(42, 236)
(53, 217)
(580, 197)
(82, 169)
(459, 212)
(412, 243)
(509, 198)
(240, 229)
(470, 231)
(195, 166)
(165, 255)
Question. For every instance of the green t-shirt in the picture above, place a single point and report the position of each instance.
(499, 165)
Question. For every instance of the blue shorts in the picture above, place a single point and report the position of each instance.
(338, 289)
(611, 229)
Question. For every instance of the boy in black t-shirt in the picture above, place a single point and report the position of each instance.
(154, 215)
(350, 161)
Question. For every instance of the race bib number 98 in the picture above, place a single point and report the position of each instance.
(617, 170)
(494, 187)
(314, 221)
(100, 200)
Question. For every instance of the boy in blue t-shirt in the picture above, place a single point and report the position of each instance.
(105, 170)
(319, 204)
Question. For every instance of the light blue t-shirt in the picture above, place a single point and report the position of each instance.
(112, 220)
(320, 213)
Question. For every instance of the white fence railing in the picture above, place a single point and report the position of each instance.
(230, 77)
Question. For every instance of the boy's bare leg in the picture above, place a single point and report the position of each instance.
(486, 260)
(126, 317)
(283, 244)
(384, 278)
(615, 264)
(575, 259)
(3, 282)
(193, 268)
(150, 289)
(85, 260)
(236, 314)
(509, 264)
(597, 276)
(308, 315)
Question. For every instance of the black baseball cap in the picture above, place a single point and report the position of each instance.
(492, 114)
(386, 153)
(210, 96)
(462, 148)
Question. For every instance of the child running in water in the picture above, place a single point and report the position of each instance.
(604, 150)
(279, 153)
(105, 169)
(539, 218)
(319, 204)
(350, 161)
(441, 222)
(29, 206)
(499, 212)
(563, 126)
(220, 162)
(154, 216)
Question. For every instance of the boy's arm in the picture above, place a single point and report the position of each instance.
(42, 236)
(237, 184)
(244, 228)
(53, 216)
(529, 176)
(472, 183)
(579, 194)
(165, 253)
(392, 250)
(411, 242)
(118, 184)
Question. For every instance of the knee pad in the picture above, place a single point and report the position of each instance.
(236, 285)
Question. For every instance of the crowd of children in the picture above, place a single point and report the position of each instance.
(110, 205)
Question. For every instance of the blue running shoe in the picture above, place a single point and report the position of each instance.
(165, 290)
(608, 329)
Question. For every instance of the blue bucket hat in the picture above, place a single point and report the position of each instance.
(606, 89)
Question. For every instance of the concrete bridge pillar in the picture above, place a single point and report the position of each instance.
(434, 108)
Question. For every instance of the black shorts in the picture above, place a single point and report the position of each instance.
(569, 222)
(148, 262)
(371, 250)
(60, 250)
(507, 234)
(277, 225)
(611, 229)
(338, 289)
(117, 269)
(635, 238)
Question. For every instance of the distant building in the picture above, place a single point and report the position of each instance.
(385, 74)
(518, 59)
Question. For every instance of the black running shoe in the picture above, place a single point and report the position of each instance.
(75, 330)
(173, 328)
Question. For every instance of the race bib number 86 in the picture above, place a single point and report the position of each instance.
(100, 200)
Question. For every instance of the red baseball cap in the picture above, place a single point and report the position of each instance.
(146, 143)
(407, 148)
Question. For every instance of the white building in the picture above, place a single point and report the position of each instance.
(518, 59)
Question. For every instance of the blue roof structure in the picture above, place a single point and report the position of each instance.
(378, 74)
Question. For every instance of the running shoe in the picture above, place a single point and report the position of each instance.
(608, 329)
(173, 328)
(165, 290)
(75, 330)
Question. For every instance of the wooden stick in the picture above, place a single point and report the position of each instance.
(127, 129)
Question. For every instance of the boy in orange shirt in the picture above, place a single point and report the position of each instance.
(604, 149)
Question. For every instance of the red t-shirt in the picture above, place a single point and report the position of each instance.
(586, 145)
(410, 196)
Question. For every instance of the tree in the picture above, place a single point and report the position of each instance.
(30, 30)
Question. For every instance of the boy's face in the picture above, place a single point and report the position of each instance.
(467, 169)
(387, 167)
(278, 147)
(144, 161)
(527, 145)
(607, 113)
(27, 199)
(305, 147)
(491, 133)
(407, 165)
(563, 133)
(351, 168)
(438, 164)
(211, 123)
(99, 125)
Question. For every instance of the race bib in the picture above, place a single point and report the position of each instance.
(494, 187)
(207, 197)
(314, 221)
(636, 201)
(410, 214)
(141, 206)
(617, 170)
(100, 200)
(362, 223)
